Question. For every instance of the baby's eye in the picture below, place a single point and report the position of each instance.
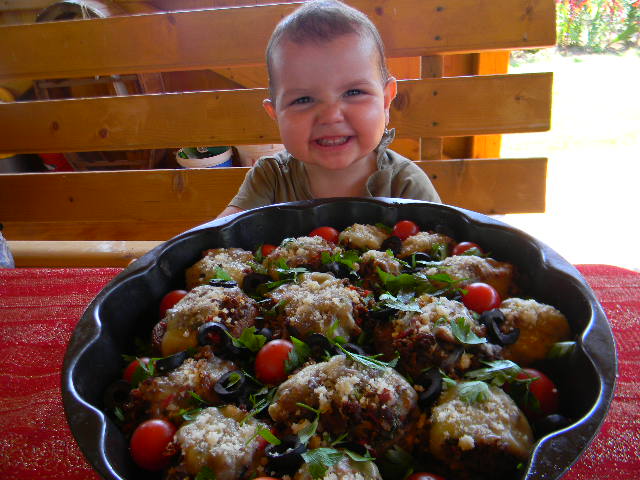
(301, 100)
(354, 91)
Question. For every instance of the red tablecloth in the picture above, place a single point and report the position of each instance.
(40, 307)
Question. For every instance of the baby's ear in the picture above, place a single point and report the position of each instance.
(390, 92)
(270, 108)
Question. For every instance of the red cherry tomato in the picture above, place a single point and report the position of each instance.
(267, 248)
(462, 247)
(169, 300)
(424, 476)
(545, 392)
(270, 361)
(481, 297)
(149, 441)
(132, 367)
(405, 229)
(330, 234)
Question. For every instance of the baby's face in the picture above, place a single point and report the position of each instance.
(330, 103)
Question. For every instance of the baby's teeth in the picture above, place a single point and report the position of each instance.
(336, 141)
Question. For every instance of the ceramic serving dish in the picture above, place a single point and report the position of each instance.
(127, 307)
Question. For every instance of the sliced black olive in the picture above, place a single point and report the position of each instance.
(353, 447)
(252, 281)
(166, 364)
(231, 385)
(392, 243)
(319, 345)
(285, 458)
(431, 381)
(550, 423)
(219, 282)
(423, 257)
(353, 348)
(337, 269)
(214, 334)
(493, 319)
(265, 332)
(383, 314)
(116, 394)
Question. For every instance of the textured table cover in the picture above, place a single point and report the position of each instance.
(40, 307)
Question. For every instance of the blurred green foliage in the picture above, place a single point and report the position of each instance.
(598, 25)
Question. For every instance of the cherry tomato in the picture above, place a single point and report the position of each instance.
(404, 229)
(480, 297)
(149, 441)
(462, 247)
(330, 234)
(132, 367)
(169, 300)
(270, 361)
(267, 248)
(424, 476)
(544, 390)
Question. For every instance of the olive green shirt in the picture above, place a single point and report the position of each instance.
(283, 178)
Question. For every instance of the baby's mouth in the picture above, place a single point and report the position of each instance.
(332, 141)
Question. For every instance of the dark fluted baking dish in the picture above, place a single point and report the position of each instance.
(127, 307)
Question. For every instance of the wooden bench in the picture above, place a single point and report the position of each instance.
(448, 115)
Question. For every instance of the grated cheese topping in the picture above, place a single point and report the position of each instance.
(318, 301)
(363, 237)
(217, 439)
(434, 319)
(540, 327)
(424, 242)
(235, 261)
(496, 422)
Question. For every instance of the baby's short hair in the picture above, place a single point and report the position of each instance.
(322, 21)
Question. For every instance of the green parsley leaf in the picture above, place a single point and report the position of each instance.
(118, 413)
(308, 431)
(205, 473)
(400, 302)
(475, 391)
(356, 457)
(249, 339)
(320, 459)
(222, 274)
(385, 228)
(259, 404)
(370, 362)
(439, 251)
(561, 349)
(300, 353)
(462, 331)
(267, 435)
(197, 398)
(497, 372)
(188, 415)
(348, 258)
(402, 282)
(401, 459)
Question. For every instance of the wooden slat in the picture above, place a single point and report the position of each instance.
(28, 253)
(186, 40)
(158, 204)
(423, 108)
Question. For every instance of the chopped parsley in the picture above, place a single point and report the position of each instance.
(462, 331)
(370, 362)
(300, 353)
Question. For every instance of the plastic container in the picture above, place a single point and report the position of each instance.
(6, 258)
(205, 157)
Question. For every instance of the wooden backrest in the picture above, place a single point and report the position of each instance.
(231, 41)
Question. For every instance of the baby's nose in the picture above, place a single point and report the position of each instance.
(331, 113)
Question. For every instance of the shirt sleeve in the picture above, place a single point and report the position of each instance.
(412, 182)
(257, 189)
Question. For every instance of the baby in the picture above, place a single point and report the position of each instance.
(330, 93)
